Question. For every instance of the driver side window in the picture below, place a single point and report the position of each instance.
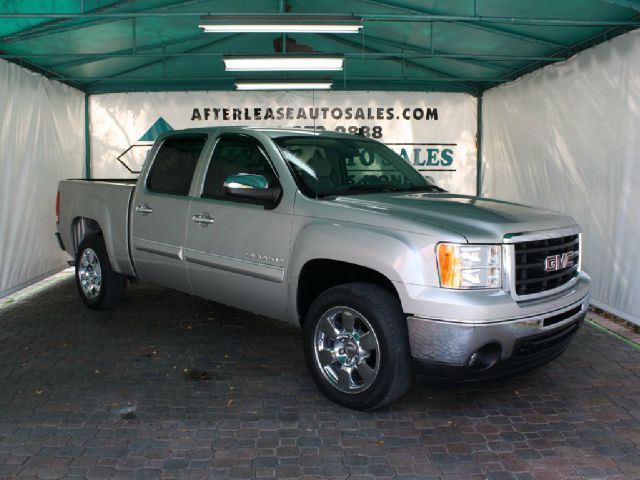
(234, 155)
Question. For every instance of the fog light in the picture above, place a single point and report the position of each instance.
(473, 359)
(485, 357)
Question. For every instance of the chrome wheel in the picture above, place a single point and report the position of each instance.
(90, 273)
(347, 350)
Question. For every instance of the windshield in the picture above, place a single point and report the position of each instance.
(325, 166)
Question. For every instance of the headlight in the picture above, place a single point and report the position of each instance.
(469, 266)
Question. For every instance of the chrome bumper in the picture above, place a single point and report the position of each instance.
(453, 343)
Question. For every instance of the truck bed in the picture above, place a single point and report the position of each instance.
(106, 202)
(124, 181)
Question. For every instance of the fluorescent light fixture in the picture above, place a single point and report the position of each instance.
(280, 24)
(282, 63)
(274, 28)
(282, 85)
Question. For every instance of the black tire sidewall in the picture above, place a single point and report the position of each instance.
(384, 313)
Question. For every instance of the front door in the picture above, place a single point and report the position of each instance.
(160, 211)
(237, 251)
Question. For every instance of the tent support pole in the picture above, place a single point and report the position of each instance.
(87, 138)
(479, 136)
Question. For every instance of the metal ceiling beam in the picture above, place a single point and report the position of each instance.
(490, 29)
(468, 59)
(45, 72)
(624, 3)
(168, 56)
(357, 46)
(509, 34)
(569, 51)
(53, 23)
(545, 22)
(414, 17)
(62, 25)
(231, 80)
(180, 87)
(128, 53)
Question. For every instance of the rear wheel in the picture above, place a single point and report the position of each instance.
(100, 287)
(357, 347)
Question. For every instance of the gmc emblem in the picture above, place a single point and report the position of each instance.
(554, 263)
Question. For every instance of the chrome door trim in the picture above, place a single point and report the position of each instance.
(203, 219)
(158, 248)
(235, 265)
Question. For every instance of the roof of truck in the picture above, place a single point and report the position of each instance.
(271, 132)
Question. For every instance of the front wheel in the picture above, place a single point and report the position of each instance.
(356, 346)
(100, 287)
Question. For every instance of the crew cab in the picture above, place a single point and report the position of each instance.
(387, 273)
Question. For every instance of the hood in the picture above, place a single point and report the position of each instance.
(477, 219)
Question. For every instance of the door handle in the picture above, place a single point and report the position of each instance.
(144, 209)
(203, 219)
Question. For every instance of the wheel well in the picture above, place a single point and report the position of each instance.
(319, 275)
(82, 228)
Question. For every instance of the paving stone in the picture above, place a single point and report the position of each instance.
(266, 462)
(500, 476)
(147, 474)
(288, 471)
(115, 403)
(176, 463)
(101, 472)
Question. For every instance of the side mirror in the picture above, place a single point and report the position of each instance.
(251, 187)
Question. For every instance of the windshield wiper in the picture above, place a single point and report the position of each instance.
(385, 187)
(358, 189)
(373, 186)
(355, 189)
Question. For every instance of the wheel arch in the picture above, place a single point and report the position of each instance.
(84, 227)
(320, 274)
(91, 208)
(81, 228)
(355, 252)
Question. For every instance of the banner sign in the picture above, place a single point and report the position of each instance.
(434, 132)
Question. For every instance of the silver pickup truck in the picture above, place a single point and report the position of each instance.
(386, 273)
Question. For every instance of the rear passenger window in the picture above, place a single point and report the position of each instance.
(175, 162)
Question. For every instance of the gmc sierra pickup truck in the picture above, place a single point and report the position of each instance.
(386, 273)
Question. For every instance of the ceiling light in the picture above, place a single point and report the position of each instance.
(280, 24)
(281, 63)
(286, 85)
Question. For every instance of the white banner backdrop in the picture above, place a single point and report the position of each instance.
(435, 132)
(566, 138)
(42, 138)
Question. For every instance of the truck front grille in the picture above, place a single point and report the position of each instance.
(531, 275)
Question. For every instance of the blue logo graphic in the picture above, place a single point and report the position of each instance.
(133, 157)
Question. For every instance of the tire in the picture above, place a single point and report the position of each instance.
(361, 327)
(99, 286)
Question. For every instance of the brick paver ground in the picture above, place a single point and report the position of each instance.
(170, 386)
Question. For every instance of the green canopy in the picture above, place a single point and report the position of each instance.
(462, 45)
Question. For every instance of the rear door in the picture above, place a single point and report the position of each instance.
(160, 211)
(237, 251)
